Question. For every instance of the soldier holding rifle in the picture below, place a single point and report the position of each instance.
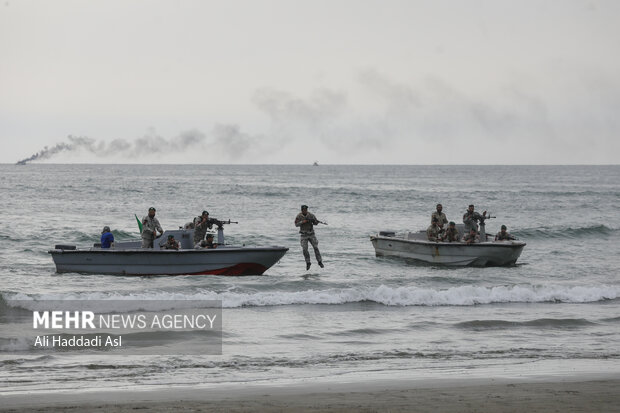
(306, 221)
(471, 218)
(202, 223)
(150, 226)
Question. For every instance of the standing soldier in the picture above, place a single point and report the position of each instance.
(441, 218)
(201, 225)
(306, 221)
(150, 226)
(471, 218)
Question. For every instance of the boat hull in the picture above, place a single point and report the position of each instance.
(219, 261)
(445, 253)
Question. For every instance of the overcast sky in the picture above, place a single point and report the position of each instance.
(337, 81)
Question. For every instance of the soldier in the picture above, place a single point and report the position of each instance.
(150, 226)
(107, 239)
(503, 235)
(432, 232)
(201, 224)
(471, 218)
(441, 217)
(208, 243)
(305, 221)
(171, 244)
(471, 237)
(451, 234)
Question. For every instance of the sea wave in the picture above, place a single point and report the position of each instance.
(383, 295)
(564, 232)
(547, 323)
(80, 236)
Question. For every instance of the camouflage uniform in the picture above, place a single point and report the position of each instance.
(171, 244)
(432, 233)
(451, 235)
(307, 234)
(471, 220)
(200, 229)
(149, 225)
(441, 219)
(471, 238)
(503, 237)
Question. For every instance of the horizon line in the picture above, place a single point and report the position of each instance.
(309, 164)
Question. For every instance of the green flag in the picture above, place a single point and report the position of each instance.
(139, 223)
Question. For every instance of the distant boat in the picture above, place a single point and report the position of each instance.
(315, 163)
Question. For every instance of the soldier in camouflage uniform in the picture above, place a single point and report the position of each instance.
(441, 217)
(503, 235)
(471, 218)
(171, 244)
(432, 232)
(201, 225)
(150, 226)
(451, 234)
(306, 221)
(471, 237)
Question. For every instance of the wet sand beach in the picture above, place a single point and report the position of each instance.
(565, 395)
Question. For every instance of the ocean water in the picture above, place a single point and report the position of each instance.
(361, 317)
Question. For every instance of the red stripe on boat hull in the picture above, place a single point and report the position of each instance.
(237, 269)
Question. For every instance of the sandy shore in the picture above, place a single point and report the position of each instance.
(601, 395)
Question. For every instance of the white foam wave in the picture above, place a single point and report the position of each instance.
(16, 344)
(386, 295)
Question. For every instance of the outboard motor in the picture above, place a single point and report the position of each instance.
(483, 235)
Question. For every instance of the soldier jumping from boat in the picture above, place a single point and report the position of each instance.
(306, 221)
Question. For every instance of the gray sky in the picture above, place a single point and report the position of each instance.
(338, 81)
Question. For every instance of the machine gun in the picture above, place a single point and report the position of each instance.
(482, 232)
(220, 223)
(220, 228)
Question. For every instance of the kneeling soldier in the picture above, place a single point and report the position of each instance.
(451, 234)
(171, 244)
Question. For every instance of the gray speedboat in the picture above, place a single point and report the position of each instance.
(414, 245)
(128, 258)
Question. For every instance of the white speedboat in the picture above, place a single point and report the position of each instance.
(415, 245)
(128, 258)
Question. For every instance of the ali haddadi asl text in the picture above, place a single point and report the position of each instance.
(78, 341)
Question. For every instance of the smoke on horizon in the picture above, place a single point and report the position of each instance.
(228, 139)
